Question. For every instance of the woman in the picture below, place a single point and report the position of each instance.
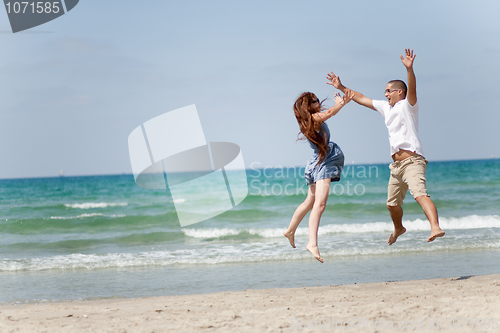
(325, 166)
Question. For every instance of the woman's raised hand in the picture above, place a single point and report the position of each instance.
(348, 96)
(342, 100)
(338, 99)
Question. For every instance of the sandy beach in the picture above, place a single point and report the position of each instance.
(448, 304)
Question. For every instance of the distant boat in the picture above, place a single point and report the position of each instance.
(61, 173)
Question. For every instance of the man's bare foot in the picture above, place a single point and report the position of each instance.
(435, 234)
(315, 252)
(394, 236)
(291, 238)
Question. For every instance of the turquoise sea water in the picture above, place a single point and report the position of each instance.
(73, 238)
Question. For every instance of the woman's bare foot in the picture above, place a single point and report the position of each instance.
(435, 234)
(315, 252)
(291, 237)
(394, 236)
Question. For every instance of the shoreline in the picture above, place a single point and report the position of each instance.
(444, 304)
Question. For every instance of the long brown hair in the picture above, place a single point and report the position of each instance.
(308, 127)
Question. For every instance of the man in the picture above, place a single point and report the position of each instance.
(408, 170)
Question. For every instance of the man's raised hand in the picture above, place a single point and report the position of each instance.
(408, 59)
(334, 80)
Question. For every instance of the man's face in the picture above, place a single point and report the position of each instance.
(392, 94)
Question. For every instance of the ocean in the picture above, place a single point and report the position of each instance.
(99, 237)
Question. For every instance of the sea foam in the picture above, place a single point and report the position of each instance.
(88, 205)
(446, 223)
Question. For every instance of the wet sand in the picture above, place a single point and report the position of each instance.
(444, 305)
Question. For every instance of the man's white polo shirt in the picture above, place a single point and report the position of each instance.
(402, 123)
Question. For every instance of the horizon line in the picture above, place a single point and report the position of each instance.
(248, 168)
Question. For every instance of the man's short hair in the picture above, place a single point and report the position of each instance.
(398, 84)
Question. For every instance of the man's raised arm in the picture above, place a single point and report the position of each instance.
(358, 97)
(411, 94)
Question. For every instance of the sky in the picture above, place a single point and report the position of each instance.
(73, 89)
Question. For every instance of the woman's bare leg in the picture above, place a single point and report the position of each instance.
(299, 214)
(320, 198)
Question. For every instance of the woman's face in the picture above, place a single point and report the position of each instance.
(315, 104)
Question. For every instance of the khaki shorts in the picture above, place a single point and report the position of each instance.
(406, 174)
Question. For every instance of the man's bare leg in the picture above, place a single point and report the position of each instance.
(432, 215)
(322, 191)
(397, 219)
(299, 214)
